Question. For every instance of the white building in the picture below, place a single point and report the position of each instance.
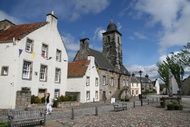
(175, 88)
(32, 56)
(83, 79)
(135, 86)
(156, 86)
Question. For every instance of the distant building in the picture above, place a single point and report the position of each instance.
(83, 80)
(32, 57)
(114, 77)
(135, 86)
(186, 86)
(147, 84)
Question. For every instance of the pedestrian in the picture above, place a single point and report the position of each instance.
(48, 106)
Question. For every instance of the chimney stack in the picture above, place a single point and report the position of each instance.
(50, 18)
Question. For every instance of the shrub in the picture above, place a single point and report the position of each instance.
(4, 124)
(171, 106)
(43, 100)
(35, 99)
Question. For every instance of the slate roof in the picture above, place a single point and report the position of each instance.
(19, 31)
(103, 63)
(134, 80)
(144, 80)
(77, 68)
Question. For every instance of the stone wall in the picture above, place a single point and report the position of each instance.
(23, 98)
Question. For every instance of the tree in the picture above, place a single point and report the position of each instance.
(176, 69)
(184, 55)
(164, 72)
(175, 64)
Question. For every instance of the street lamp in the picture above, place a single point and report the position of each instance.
(140, 72)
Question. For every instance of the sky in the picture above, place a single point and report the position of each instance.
(151, 29)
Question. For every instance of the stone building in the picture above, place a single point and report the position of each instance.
(114, 77)
(186, 86)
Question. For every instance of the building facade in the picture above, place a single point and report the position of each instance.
(114, 77)
(83, 79)
(32, 56)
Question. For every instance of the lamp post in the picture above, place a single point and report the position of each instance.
(140, 72)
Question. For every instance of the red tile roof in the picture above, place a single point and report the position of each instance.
(77, 68)
(19, 31)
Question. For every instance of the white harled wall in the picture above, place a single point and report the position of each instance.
(78, 84)
(9, 56)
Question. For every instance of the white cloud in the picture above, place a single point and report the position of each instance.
(70, 42)
(140, 36)
(81, 7)
(98, 33)
(172, 15)
(14, 20)
(67, 9)
(150, 70)
(119, 26)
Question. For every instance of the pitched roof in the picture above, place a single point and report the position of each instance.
(77, 68)
(144, 79)
(103, 63)
(134, 80)
(19, 31)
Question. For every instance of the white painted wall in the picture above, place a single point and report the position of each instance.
(47, 34)
(134, 87)
(78, 84)
(157, 87)
(175, 88)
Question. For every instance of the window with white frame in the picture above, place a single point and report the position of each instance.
(87, 95)
(58, 55)
(132, 84)
(4, 70)
(43, 73)
(112, 81)
(96, 94)
(104, 80)
(27, 70)
(44, 51)
(96, 81)
(29, 46)
(87, 81)
(56, 93)
(57, 75)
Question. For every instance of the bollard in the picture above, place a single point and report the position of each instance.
(96, 111)
(148, 101)
(133, 104)
(72, 114)
(141, 102)
(152, 100)
(157, 100)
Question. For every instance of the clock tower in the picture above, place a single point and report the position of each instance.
(112, 45)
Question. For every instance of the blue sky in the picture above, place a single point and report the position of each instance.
(151, 29)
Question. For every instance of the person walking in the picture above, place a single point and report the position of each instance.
(48, 106)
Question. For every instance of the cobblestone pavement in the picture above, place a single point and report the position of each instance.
(140, 116)
(145, 116)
